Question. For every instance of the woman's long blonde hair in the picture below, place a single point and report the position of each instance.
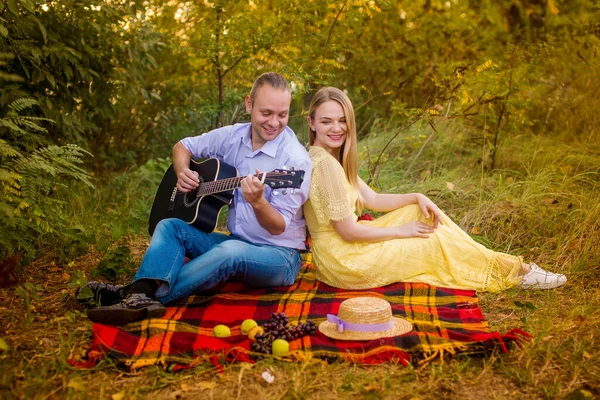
(348, 152)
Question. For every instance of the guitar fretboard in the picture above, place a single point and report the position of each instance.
(222, 185)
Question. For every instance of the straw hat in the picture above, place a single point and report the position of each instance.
(364, 318)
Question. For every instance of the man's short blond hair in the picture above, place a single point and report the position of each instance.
(273, 79)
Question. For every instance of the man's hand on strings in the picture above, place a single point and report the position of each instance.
(187, 180)
(252, 188)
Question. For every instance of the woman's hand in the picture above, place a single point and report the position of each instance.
(415, 229)
(427, 206)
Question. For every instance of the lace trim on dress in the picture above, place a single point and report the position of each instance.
(503, 271)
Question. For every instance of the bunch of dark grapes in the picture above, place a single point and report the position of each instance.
(262, 343)
(277, 328)
(278, 321)
(302, 329)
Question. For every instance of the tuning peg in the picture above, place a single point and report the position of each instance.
(284, 192)
(292, 168)
(275, 192)
(284, 168)
(292, 191)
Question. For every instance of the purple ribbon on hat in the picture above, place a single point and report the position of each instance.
(342, 325)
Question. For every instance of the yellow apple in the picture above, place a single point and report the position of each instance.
(247, 325)
(221, 331)
(281, 348)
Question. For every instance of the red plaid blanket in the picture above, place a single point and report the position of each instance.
(444, 320)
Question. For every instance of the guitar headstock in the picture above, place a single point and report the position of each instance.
(283, 179)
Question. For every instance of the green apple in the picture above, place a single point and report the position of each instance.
(281, 348)
(221, 331)
(247, 325)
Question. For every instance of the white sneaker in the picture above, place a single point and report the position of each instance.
(538, 278)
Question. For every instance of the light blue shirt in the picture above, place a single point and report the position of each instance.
(233, 145)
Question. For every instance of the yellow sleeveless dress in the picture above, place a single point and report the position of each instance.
(448, 258)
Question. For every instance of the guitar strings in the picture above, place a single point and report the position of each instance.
(222, 185)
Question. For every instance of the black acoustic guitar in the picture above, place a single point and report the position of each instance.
(218, 180)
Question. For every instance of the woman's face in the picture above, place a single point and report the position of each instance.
(330, 127)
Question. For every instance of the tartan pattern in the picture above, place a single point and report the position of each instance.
(444, 321)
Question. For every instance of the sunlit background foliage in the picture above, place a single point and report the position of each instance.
(94, 93)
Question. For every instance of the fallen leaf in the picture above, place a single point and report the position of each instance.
(204, 385)
(546, 338)
(186, 387)
(587, 355)
(75, 384)
(118, 396)
(66, 276)
(475, 230)
(299, 356)
(372, 388)
(549, 201)
(450, 185)
(3, 345)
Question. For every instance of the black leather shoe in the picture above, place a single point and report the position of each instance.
(133, 307)
(100, 294)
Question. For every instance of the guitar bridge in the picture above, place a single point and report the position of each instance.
(172, 199)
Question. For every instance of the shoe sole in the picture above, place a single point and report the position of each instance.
(122, 316)
(543, 285)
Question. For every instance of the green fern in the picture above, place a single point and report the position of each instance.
(34, 181)
(6, 149)
(20, 105)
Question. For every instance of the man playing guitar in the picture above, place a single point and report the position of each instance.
(267, 230)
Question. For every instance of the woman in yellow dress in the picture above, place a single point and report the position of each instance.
(414, 242)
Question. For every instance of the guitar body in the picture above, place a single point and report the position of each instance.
(199, 211)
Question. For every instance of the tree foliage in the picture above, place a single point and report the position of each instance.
(86, 66)
(125, 79)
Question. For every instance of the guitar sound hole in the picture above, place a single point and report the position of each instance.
(191, 198)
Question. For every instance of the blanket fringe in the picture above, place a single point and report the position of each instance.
(380, 356)
(93, 358)
(493, 339)
(387, 355)
(439, 355)
(519, 336)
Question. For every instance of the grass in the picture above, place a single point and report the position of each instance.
(541, 203)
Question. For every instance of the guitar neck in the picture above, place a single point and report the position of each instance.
(222, 185)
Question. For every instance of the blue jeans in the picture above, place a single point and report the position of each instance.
(214, 258)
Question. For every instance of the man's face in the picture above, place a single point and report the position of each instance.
(269, 114)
